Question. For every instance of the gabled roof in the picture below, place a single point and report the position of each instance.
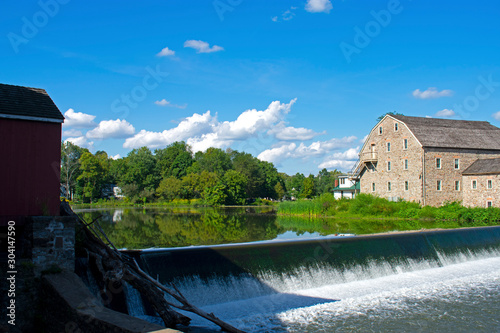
(27, 103)
(447, 133)
(483, 167)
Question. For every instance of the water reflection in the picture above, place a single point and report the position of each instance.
(135, 228)
(174, 227)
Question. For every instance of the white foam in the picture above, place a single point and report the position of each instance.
(379, 296)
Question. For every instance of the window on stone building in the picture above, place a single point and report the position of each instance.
(389, 166)
(388, 146)
(373, 187)
(396, 127)
(389, 186)
(457, 164)
(405, 144)
(438, 163)
(490, 184)
(407, 186)
(406, 164)
(489, 204)
(474, 184)
(380, 130)
(438, 185)
(457, 185)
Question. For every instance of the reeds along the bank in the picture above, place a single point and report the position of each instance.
(365, 205)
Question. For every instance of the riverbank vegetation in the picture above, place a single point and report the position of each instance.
(371, 207)
(174, 174)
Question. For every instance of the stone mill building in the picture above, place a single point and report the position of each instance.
(425, 160)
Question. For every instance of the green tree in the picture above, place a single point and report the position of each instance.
(308, 190)
(271, 178)
(213, 160)
(215, 195)
(141, 170)
(279, 190)
(235, 184)
(248, 166)
(325, 181)
(174, 160)
(169, 189)
(393, 113)
(70, 165)
(91, 175)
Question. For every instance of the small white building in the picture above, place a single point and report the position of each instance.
(345, 187)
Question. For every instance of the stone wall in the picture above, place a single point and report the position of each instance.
(42, 244)
(53, 243)
(398, 175)
(480, 196)
(447, 174)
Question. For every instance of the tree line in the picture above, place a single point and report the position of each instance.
(216, 176)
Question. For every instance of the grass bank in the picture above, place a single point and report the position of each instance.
(366, 206)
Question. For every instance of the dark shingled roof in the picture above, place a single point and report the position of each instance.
(447, 133)
(483, 167)
(26, 103)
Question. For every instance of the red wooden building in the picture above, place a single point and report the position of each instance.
(30, 152)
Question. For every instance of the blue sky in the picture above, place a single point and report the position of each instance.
(296, 83)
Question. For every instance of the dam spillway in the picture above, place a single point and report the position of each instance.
(278, 278)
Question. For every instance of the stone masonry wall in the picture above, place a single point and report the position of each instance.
(480, 196)
(447, 174)
(398, 175)
(53, 243)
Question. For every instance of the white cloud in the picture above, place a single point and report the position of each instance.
(278, 154)
(78, 119)
(318, 148)
(71, 133)
(251, 121)
(283, 133)
(496, 115)
(287, 15)
(164, 102)
(206, 141)
(193, 126)
(319, 6)
(337, 164)
(432, 92)
(166, 52)
(341, 160)
(202, 47)
(204, 131)
(116, 157)
(446, 113)
(111, 129)
(81, 142)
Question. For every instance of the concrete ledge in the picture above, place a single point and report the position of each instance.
(69, 306)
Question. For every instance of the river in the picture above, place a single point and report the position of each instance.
(424, 282)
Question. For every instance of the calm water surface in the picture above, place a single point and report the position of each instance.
(136, 228)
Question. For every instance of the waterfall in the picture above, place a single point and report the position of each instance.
(135, 307)
(275, 279)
